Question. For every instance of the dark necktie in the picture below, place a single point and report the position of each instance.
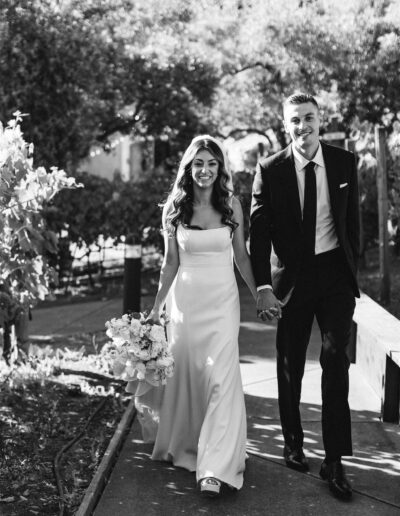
(310, 209)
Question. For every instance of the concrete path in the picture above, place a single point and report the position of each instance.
(139, 486)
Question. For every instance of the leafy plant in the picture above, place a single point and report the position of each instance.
(24, 237)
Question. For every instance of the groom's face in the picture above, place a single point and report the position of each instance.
(302, 122)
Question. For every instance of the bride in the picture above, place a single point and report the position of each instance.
(202, 417)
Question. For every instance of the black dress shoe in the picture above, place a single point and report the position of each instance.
(295, 458)
(338, 483)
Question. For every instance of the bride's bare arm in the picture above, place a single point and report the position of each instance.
(242, 258)
(168, 272)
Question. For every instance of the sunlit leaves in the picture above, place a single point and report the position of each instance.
(75, 67)
(23, 236)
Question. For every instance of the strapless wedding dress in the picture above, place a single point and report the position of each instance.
(202, 418)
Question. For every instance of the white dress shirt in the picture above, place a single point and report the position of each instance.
(325, 233)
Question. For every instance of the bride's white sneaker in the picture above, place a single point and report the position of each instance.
(210, 486)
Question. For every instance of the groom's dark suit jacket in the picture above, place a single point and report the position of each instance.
(276, 218)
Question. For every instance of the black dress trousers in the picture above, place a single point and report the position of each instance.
(323, 289)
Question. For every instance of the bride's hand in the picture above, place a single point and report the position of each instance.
(268, 306)
(155, 316)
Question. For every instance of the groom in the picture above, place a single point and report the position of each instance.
(304, 239)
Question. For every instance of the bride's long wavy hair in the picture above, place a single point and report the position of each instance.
(179, 205)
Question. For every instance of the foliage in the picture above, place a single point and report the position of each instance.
(135, 209)
(242, 185)
(82, 71)
(24, 238)
(111, 209)
(394, 185)
(85, 69)
(81, 213)
(107, 209)
(41, 411)
(348, 57)
(367, 170)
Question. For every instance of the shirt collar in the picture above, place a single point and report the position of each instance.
(300, 161)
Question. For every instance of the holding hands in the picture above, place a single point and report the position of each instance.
(268, 306)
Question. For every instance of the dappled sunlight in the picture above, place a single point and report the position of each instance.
(388, 464)
(314, 409)
(142, 455)
(176, 489)
(257, 326)
(394, 430)
(365, 416)
(375, 467)
(374, 470)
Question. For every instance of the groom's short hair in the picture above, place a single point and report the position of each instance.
(300, 98)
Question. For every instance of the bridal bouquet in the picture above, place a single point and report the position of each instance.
(138, 349)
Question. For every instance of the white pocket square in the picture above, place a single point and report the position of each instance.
(343, 185)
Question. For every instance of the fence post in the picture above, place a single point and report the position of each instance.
(132, 276)
(381, 179)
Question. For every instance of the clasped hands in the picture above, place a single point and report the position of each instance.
(268, 306)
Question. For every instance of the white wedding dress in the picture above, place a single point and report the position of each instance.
(202, 417)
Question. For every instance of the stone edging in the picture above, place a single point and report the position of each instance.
(98, 483)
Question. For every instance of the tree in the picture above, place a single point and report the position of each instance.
(80, 71)
(135, 210)
(79, 217)
(107, 209)
(347, 56)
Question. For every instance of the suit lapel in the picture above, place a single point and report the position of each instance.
(333, 184)
(289, 179)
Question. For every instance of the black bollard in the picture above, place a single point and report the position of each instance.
(132, 279)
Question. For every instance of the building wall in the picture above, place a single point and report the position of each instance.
(128, 158)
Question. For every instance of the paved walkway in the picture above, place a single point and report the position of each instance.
(139, 486)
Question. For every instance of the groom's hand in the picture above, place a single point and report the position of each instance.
(268, 306)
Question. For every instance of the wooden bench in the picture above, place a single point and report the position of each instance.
(376, 350)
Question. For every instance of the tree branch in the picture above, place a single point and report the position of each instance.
(246, 130)
(258, 64)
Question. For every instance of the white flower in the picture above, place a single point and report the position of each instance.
(157, 333)
(156, 349)
(134, 348)
(151, 364)
(119, 366)
(116, 323)
(144, 354)
(165, 361)
(130, 370)
(137, 349)
(124, 334)
(114, 327)
(169, 371)
(136, 329)
(117, 340)
(141, 370)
